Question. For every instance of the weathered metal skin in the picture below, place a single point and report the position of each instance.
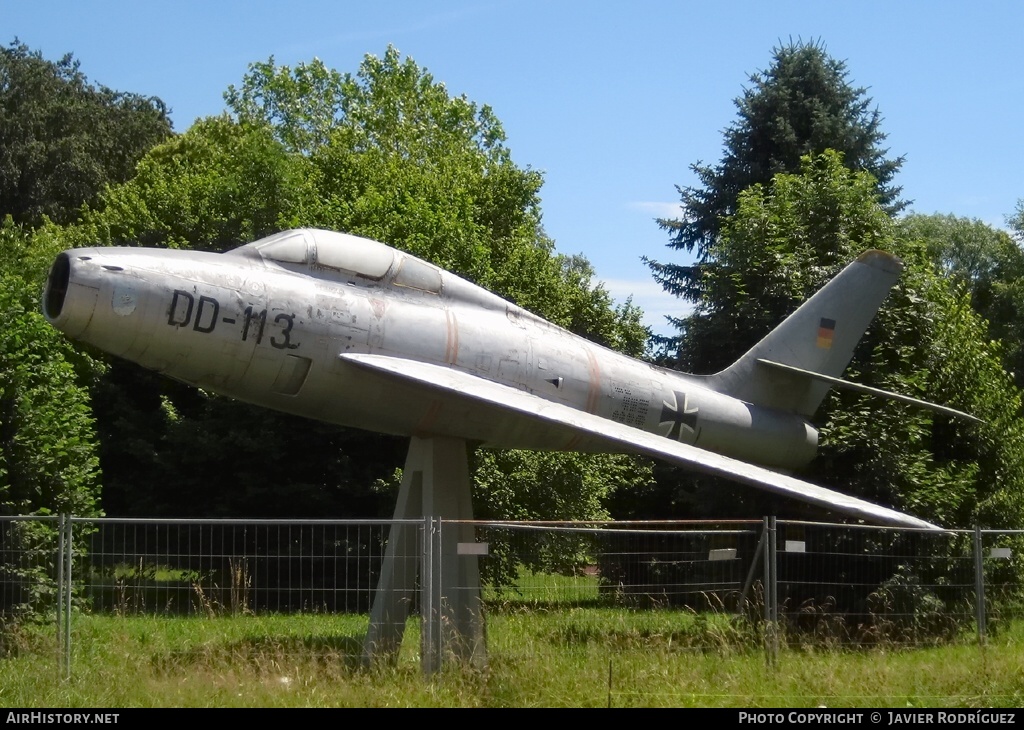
(268, 322)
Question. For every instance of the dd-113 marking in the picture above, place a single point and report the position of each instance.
(202, 315)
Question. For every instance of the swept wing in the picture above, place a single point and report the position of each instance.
(458, 385)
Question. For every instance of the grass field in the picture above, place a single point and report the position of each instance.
(561, 657)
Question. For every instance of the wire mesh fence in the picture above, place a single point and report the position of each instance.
(863, 585)
(213, 567)
(999, 567)
(856, 585)
(699, 566)
(29, 557)
(827, 584)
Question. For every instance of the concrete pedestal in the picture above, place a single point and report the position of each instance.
(435, 485)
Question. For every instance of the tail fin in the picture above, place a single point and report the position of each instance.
(819, 338)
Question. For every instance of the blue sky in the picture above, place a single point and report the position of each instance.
(613, 101)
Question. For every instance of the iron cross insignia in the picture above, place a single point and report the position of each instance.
(678, 417)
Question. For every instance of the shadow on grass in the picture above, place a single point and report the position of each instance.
(265, 652)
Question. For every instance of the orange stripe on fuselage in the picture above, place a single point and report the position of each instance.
(451, 347)
(594, 390)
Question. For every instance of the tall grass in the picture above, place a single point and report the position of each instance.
(566, 656)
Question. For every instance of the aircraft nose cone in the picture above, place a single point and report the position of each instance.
(69, 298)
(68, 304)
(56, 291)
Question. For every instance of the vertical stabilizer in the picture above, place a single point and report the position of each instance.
(818, 337)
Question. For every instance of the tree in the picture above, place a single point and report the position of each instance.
(63, 138)
(803, 104)
(301, 106)
(396, 158)
(48, 460)
(1016, 222)
(750, 288)
(990, 265)
(386, 153)
(525, 485)
(217, 186)
(784, 242)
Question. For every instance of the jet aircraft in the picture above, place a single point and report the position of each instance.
(351, 331)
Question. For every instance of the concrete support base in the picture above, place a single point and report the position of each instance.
(435, 486)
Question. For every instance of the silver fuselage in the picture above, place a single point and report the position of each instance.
(272, 332)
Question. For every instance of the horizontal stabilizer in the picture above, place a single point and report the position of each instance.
(847, 385)
(455, 386)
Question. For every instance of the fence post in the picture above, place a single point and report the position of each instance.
(59, 579)
(771, 596)
(68, 590)
(979, 584)
(430, 597)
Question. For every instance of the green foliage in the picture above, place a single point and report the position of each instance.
(562, 658)
(907, 611)
(28, 590)
(48, 451)
(300, 106)
(231, 459)
(219, 185)
(803, 104)
(588, 310)
(386, 153)
(787, 240)
(989, 264)
(927, 341)
(394, 157)
(48, 458)
(28, 254)
(765, 238)
(65, 139)
(1016, 222)
(528, 485)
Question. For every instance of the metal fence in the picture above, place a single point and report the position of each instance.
(796, 581)
(209, 567)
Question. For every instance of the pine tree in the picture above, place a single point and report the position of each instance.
(803, 104)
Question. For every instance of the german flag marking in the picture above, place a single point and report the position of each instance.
(826, 331)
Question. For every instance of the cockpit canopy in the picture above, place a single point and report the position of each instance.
(327, 251)
(333, 250)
